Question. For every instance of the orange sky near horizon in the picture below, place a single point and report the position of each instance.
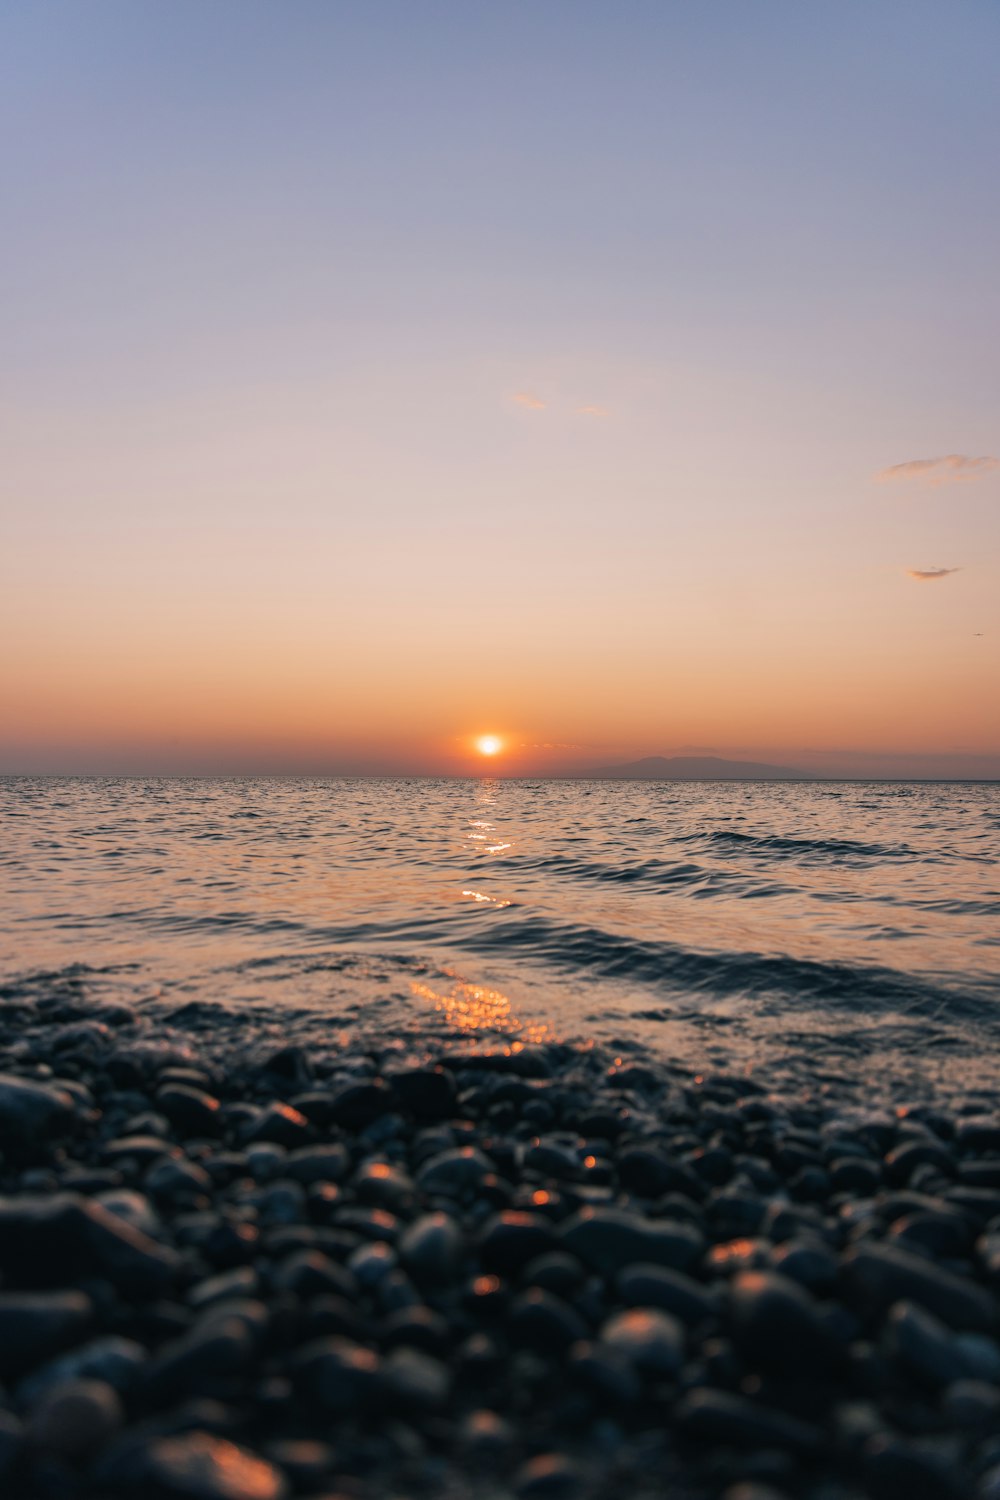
(368, 394)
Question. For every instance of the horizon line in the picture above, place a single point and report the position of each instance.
(826, 778)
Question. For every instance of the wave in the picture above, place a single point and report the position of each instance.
(736, 973)
(660, 875)
(799, 848)
(593, 952)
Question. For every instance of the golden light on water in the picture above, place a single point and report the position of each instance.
(489, 744)
(476, 1008)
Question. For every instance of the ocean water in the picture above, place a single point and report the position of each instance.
(852, 921)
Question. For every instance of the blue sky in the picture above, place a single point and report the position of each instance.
(376, 372)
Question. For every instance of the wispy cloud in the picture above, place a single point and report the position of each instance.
(525, 398)
(592, 411)
(953, 468)
(928, 575)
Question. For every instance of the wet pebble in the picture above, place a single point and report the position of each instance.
(74, 1418)
(550, 1476)
(36, 1325)
(432, 1248)
(652, 1341)
(30, 1112)
(196, 1466)
(609, 1239)
(778, 1327)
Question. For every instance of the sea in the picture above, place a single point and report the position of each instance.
(844, 925)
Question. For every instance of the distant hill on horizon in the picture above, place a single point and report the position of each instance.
(693, 768)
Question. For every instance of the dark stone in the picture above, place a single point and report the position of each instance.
(808, 1262)
(177, 1181)
(670, 1291)
(525, 1062)
(712, 1164)
(734, 1214)
(550, 1476)
(36, 1325)
(972, 1404)
(193, 1364)
(112, 1360)
(290, 1063)
(310, 1273)
(193, 1466)
(978, 1134)
(427, 1093)
(306, 1463)
(607, 1374)
(721, 1417)
(486, 1440)
(11, 1443)
(372, 1263)
(414, 1380)
(369, 1223)
(353, 1106)
(279, 1123)
(855, 1175)
(311, 1164)
(609, 1239)
(32, 1112)
(633, 1075)
(556, 1272)
(385, 1186)
(432, 1247)
(417, 1327)
(921, 1345)
(902, 1162)
(652, 1341)
(540, 1321)
(876, 1275)
(980, 1174)
(281, 1202)
(777, 1327)
(944, 1235)
(454, 1173)
(241, 1281)
(140, 1149)
(75, 1418)
(650, 1173)
(511, 1239)
(894, 1469)
(190, 1111)
(336, 1374)
(548, 1159)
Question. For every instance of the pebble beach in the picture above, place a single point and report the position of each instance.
(240, 1262)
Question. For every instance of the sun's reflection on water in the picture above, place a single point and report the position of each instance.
(476, 1007)
(480, 896)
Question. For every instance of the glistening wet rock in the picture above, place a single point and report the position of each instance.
(779, 1328)
(877, 1275)
(431, 1248)
(651, 1341)
(39, 1237)
(30, 1112)
(193, 1466)
(75, 1418)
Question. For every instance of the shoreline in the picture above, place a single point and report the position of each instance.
(251, 1255)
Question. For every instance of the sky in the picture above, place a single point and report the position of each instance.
(617, 380)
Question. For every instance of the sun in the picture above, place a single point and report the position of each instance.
(489, 744)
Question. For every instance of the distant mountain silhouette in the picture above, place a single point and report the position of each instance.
(693, 768)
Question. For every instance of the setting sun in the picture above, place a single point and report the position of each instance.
(489, 744)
